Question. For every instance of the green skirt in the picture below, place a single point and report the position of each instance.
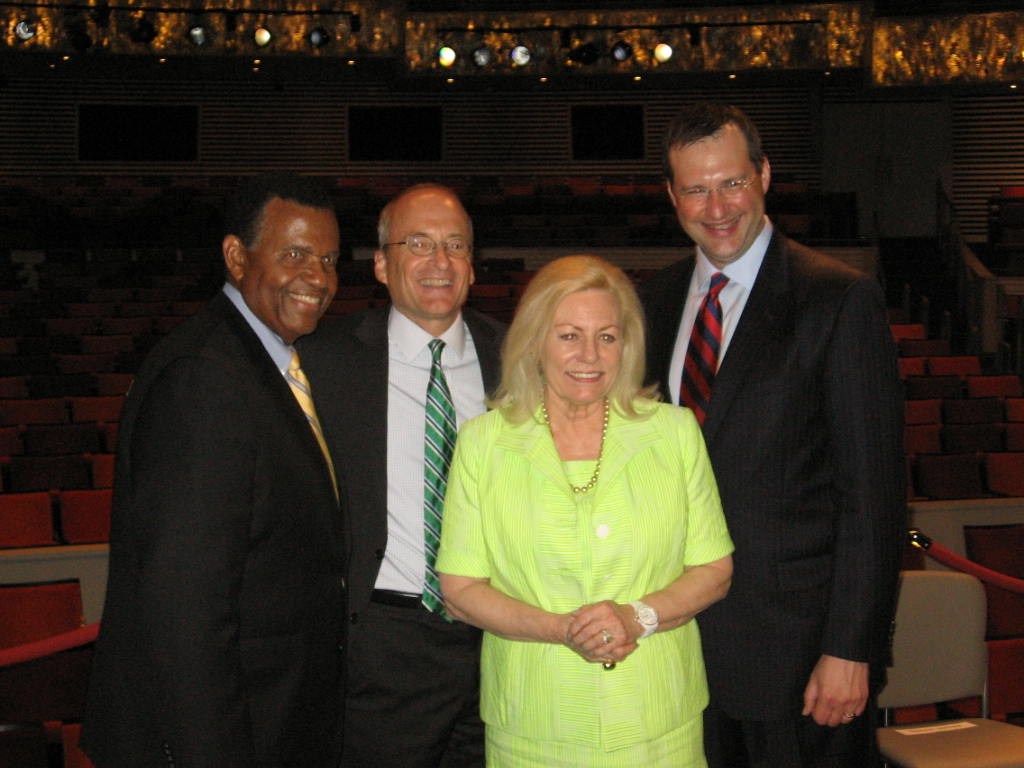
(681, 748)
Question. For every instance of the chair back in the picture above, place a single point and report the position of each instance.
(939, 651)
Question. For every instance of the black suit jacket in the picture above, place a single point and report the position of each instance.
(346, 361)
(223, 629)
(804, 432)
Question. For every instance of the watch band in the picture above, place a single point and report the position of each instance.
(646, 617)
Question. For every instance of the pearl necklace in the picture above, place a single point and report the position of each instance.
(577, 489)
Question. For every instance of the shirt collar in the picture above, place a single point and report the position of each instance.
(742, 271)
(411, 340)
(279, 352)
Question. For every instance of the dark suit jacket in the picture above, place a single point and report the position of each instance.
(223, 628)
(804, 432)
(346, 361)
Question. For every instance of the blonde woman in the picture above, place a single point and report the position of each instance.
(583, 532)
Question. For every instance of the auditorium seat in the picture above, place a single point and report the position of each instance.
(100, 408)
(1015, 436)
(48, 473)
(922, 411)
(61, 385)
(994, 386)
(74, 757)
(1005, 473)
(107, 344)
(126, 326)
(33, 411)
(13, 387)
(85, 515)
(965, 438)
(112, 384)
(102, 466)
(965, 365)
(30, 612)
(922, 438)
(1014, 408)
(26, 520)
(104, 362)
(912, 366)
(999, 548)
(932, 387)
(10, 441)
(924, 347)
(60, 439)
(907, 331)
(979, 410)
(949, 476)
(72, 326)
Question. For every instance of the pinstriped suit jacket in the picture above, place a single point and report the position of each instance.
(804, 432)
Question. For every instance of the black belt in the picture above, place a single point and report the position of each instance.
(396, 599)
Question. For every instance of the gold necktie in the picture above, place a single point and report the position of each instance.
(300, 388)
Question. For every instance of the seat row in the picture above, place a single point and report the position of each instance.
(46, 518)
(935, 476)
(956, 386)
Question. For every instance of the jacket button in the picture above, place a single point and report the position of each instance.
(353, 618)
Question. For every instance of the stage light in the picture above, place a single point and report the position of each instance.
(622, 51)
(318, 37)
(483, 56)
(25, 30)
(586, 53)
(262, 36)
(662, 52)
(143, 32)
(446, 56)
(198, 34)
(520, 55)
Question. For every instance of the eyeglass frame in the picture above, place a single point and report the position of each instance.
(434, 244)
(729, 190)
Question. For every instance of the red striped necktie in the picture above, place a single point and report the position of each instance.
(701, 363)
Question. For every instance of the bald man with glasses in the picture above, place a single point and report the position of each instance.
(413, 675)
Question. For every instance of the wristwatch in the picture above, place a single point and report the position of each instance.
(646, 617)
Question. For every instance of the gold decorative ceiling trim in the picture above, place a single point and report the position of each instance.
(932, 50)
(816, 36)
(976, 48)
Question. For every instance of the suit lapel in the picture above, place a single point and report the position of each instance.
(766, 312)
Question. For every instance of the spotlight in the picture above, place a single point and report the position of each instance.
(483, 56)
(198, 34)
(622, 51)
(25, 30)
(144, 32)
(262, 36)
(662, 52)
(586, 53)
(446, 56)
(520, 55)
(318, 37)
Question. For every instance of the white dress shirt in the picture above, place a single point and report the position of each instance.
(733, 297)
(409, 361)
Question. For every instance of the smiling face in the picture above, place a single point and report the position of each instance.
(582, 349)
(287, 277)
(428, 289)
(724, 226)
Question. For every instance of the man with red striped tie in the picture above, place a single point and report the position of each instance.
(785, 356)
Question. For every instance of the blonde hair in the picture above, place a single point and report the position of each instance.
(522, 384)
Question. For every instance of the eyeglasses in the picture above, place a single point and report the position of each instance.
(731, 191)
(421, 245)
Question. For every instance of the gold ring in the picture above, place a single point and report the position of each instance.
(849, 715)
(606, 636)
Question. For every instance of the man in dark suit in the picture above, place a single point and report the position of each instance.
(804, 429)
(223, 629)
(413, 675)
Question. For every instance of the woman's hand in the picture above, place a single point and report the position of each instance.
(603, 632)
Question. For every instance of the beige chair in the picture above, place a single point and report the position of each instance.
(939, 654)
